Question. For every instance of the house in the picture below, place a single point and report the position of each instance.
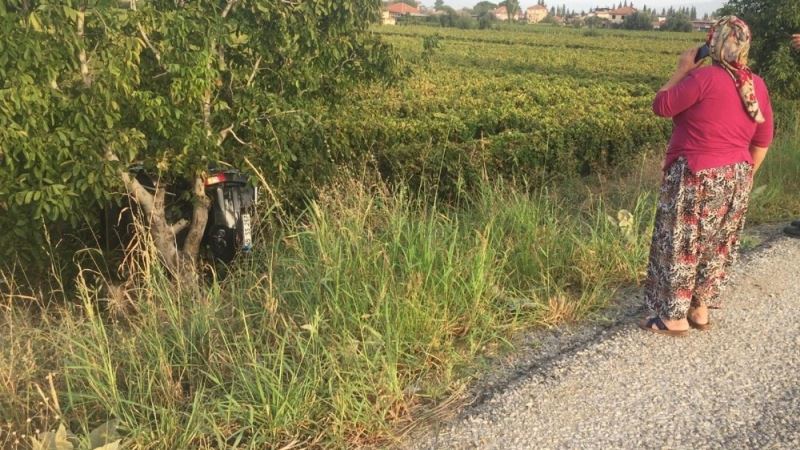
(387, 19)
(501, 13)
(702, 25)
(401, 9)
(618, 15)
(536, 13)
(601, 13)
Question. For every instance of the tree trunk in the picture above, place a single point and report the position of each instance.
(183, 264)
(190, 254)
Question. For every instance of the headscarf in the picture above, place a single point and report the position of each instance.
(731, 55)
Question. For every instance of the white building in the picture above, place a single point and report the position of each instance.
(536, 13)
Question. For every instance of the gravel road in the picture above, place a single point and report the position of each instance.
(736, 386)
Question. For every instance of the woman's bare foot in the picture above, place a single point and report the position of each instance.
(678, 325)
(665, 326)
(698, 315)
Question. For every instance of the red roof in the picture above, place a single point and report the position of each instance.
(402, 8)
(624, 11)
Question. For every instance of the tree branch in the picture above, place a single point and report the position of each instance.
(228, 7)
(82, 54)
(221, 55)
(140, 194)
(159, 198)
(223, 134)
(191, 246)
(206, 109)
(229, 131)
(253, 73)
(179, 226)
(149, 44)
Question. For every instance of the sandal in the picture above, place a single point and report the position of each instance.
(661, 327)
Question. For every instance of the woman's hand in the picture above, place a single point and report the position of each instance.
(686, 61)
(796, 41)
(686, 64)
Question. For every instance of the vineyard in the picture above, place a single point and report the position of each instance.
(526, 101)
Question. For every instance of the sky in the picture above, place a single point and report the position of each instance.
(578, 5)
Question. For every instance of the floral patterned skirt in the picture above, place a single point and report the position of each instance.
(696, 236)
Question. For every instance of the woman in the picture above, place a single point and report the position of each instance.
(722, 128)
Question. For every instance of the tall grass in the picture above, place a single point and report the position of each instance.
(776, 188)
(343, 324)
(369, 307)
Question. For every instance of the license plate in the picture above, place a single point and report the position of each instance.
(247, 233)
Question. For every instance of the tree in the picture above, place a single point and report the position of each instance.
(438, 4)
(512, 6)
(483, 11)
(483, 8)
(772, 23)
(90, 87)
(677, 22)
(594, 22)
(638, 21)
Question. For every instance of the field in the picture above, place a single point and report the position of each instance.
(516, 171)
(528, 100)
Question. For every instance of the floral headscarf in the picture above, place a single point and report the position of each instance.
(729, 42)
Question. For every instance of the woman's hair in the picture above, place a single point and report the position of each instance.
(729, 42)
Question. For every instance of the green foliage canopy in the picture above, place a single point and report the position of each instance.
(89, 86)
(483, 7)
(638, 21)
(677, 22)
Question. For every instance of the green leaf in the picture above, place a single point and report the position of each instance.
(49, 440)
(105, 435)
(110, 446)
(33, 19)
(72, 14)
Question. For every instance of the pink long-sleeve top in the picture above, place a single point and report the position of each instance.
(711, 126)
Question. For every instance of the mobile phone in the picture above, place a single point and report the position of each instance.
(702, 52)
